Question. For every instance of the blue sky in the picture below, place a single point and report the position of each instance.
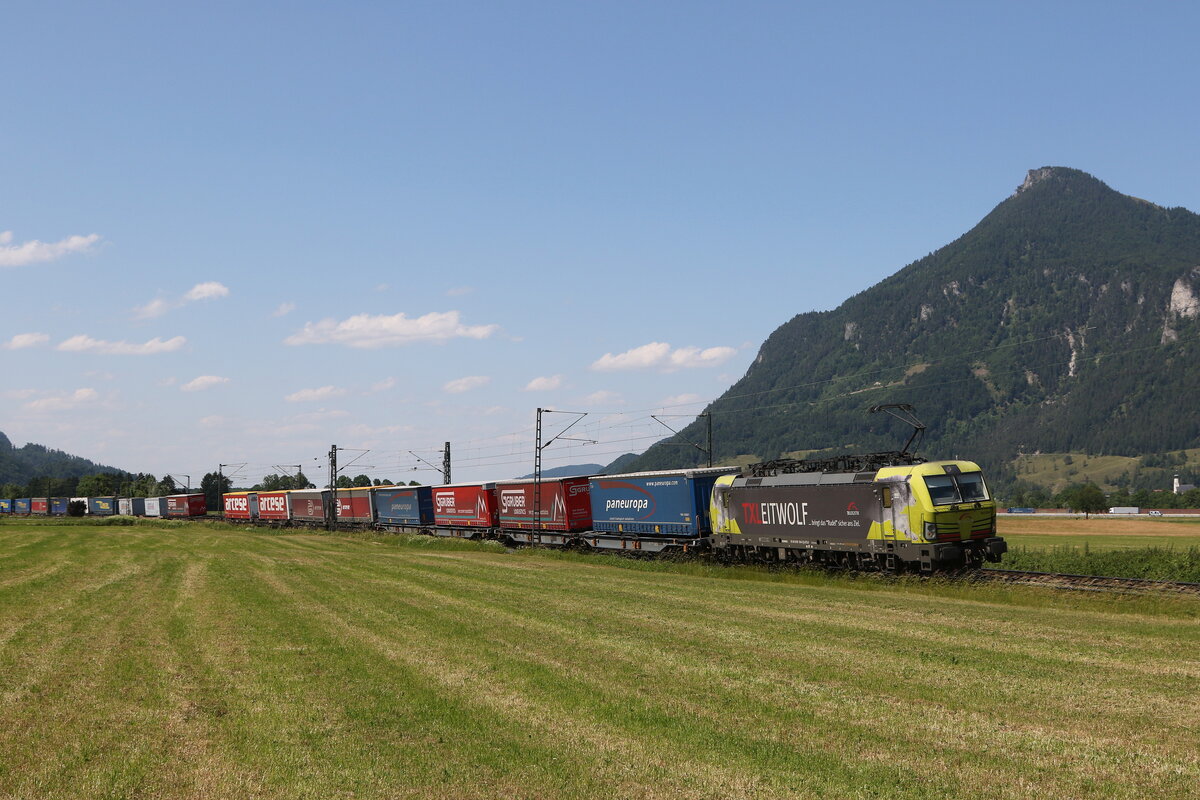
(242, 232)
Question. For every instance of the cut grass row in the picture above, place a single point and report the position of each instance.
(207, 661)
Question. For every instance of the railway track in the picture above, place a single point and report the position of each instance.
(1088, 583)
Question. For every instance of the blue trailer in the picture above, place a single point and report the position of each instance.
(6, 506)
(670, 503)
(102, 506)
(22, 505)
(403, 505)
(58, 506)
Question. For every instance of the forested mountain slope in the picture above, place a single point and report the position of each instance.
(1066, 320)
(33, 461)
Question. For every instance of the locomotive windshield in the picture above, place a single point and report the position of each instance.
(966, 487)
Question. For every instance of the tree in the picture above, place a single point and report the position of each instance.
(361, 480)
(165, 487)
(344, 482)
(101, 484)
(1087, 498)
(214, 485)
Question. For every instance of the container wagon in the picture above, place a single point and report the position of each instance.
(22, 506)
(156, 506)
(240, 505)
(309, 505)
(186, 505)
(652, 511)
(356, 505)
(102, 506)
(39, 506)
(132, 506)
(462, 509)
(544, 513)
(58, 506)
(403, 508)
(274, 506)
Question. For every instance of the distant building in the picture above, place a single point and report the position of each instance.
(1180, 488)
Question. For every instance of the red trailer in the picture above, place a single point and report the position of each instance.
(240, 505)
(355, 505)
(274, 506)
(186, 505)
(565, 504)
(39, 506)
(308, 505)
(470, 505)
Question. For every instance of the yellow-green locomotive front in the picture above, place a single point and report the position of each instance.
(944, 503)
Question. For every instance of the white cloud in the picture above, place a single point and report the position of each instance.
(23, 340)
(691, 357)
(86, 344)
(367, 331)
(681, 400)
(604, 398)
(18, 394)
(660, 355)
(65, 402)
(313, 395)
(459, 291)
(460, 385)
(33, 251)
(208, 290)
(544, 384)
(283, 309)
(383, 385)
(362, 430)
(320, 415)
(203, 382)
(155, 308)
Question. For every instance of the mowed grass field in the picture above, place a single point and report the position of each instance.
(1101, 532)
(202, 661)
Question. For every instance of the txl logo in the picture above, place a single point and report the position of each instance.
(852, 509)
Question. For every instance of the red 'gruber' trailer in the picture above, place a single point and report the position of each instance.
(565, 504)
(274, 506)
(468, 505)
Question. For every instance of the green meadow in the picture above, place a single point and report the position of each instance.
(208, 661)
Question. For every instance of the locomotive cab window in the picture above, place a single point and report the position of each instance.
(946, 490)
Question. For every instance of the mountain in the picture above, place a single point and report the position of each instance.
(1067, 320)
(20, 465)
(572, 471)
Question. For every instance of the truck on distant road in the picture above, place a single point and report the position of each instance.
(1124, 510)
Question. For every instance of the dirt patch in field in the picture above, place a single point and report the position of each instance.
(1097, 526)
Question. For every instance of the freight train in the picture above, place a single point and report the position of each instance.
(887, 512)
(176, 505)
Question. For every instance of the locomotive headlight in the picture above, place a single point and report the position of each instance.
(931, 530)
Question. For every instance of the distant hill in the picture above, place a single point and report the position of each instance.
(1067, 320)
(572, 471)
(20, 465)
